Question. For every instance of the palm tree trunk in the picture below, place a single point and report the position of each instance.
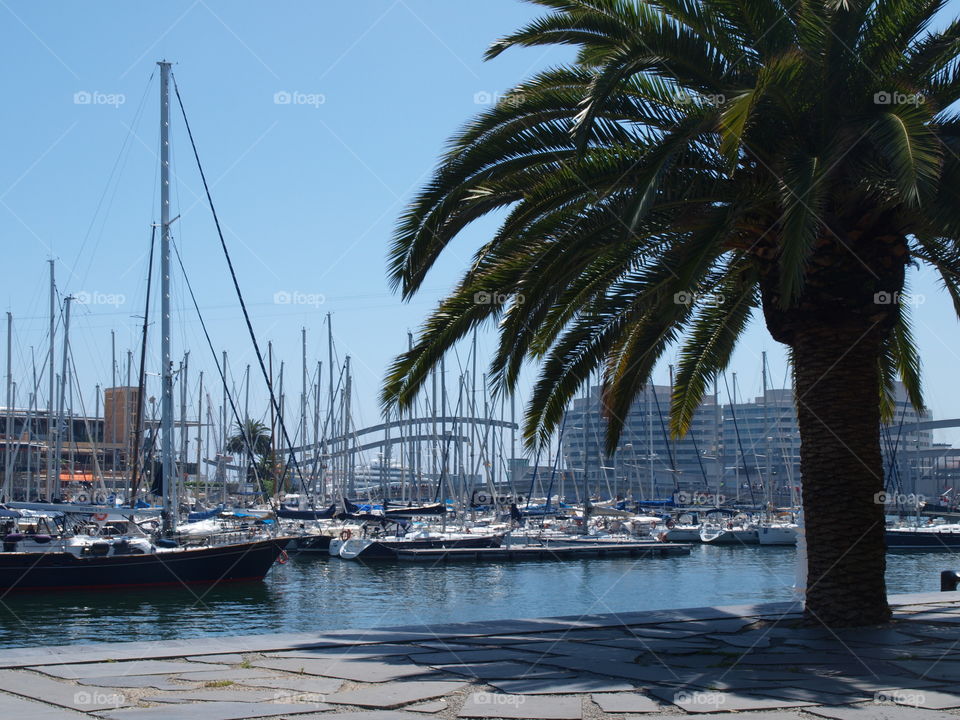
(838, 390)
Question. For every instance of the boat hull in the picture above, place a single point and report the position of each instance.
(248, 561)
(310, 544)
(730, 537)
(387, 549)
(922, 540)
(778, 535)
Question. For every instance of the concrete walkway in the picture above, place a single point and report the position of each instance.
(723, 662)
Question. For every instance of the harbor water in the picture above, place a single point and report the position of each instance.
(319, 593)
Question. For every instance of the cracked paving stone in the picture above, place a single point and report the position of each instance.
(626, 702)
(585, 650)
(583, 684)
(15, 707)
(357, 670)
(473, 656)
(931, 669)
(79, 671)
(504, 670)
(303, 683)
(227, 659)
(872, 711)
(228, 694)
(522, 707)
(709, 701)
(726, 716)
(154, 682)
(433, 706)
(390, 695)
(233, 674)
(929, 699)
(45, 689)
(352, 651)
(212, 711)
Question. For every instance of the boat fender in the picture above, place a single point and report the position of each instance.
(100, 498)
(283, 557)
(82, 498)
(345, 534)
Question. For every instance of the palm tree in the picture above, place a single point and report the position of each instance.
(698, 161)
(256, 436)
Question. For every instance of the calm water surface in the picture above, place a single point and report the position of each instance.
(318, 593)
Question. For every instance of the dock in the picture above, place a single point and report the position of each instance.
(749, 662)
(549, 551)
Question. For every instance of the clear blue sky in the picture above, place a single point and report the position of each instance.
(308, 191)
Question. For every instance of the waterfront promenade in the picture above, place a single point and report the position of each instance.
(748, 661)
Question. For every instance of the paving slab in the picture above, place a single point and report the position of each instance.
(358, 651)
(433, 706)
(568, 686)
(873, 711)
(693, 700)
(77, 671)
(155, 682)
(502, 670)
(710, 627)
(922, 698)
(42, 688)
(213, 711)
(577, 649)
(479, 655)
(391, 695)
(626, 702)
(227, 694)
(357, 670)
(17, 708)
(233, 674)
(365, 715)
(782, 715)
(813, 695)
(750, 639)
(224, 659)
(304, 683)
(931, 669)
(523, 707)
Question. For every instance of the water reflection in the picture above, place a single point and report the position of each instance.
(313, 593)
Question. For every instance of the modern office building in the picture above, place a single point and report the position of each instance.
(747, 450)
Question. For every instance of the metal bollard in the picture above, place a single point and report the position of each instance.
(949, 580)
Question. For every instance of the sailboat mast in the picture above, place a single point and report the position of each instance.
(50, 396)
(166, 398)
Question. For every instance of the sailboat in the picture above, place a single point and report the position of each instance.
(60, 550)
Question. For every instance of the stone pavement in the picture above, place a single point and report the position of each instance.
(722, 662)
